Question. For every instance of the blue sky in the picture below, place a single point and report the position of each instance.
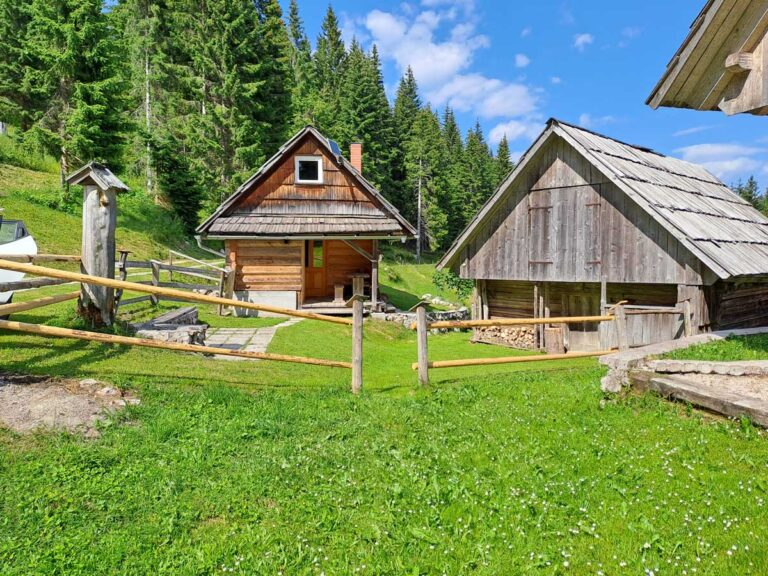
(512, 64)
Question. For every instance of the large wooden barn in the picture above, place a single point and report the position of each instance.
(585, 221)
(305, 229)
(723, 62)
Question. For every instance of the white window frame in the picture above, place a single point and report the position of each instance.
(318, 159)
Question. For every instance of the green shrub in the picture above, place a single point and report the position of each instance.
(448, 280)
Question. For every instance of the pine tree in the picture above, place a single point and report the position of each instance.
(330, 61)
(504, 164)
(479, 172)
(366, 116)
(750, 192)
(425, 163)
(19, 101)
(407, 106)
(176, 178)
(304, 98)
(455, 172)
(73, 68)
(275, 78)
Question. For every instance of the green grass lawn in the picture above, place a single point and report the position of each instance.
(268, 468)
(730, 349)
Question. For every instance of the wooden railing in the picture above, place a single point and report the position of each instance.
(422, 327)
(356, 322)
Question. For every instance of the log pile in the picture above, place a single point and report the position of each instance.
(514, 336)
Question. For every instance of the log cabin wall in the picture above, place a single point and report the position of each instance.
(267, 265)
(562, 220)
(742, 305)
(342, 260)
(279, 195)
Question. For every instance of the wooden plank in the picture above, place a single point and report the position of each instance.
(157, 290)
(136, 300)
(8, 309)
(423, 352)
(41, 330)
(621, 327)
(512, 359)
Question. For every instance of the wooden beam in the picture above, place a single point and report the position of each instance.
(739, 62)
(170, 292)
(31, 283)
(516, 322)
(375, 277)
(360, 250)
(41, 330)
(357, 344)
(511, 359)
(8, 309)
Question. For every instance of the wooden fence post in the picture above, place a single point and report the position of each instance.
(687, 318)
(155, 265)
(122, 268)
(621, 327)
(421, 343)
(357, 343)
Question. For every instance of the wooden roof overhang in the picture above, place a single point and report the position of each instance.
(718, 227)
(722, 63)
(379, 221)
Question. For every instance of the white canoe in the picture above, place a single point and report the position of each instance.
(17, 242)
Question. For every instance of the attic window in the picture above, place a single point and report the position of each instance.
(309, 170)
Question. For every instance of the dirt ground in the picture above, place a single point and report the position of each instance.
(29, 402)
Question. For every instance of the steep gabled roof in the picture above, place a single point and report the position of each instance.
(385, 220)
(98, 175)
(721, 229)
(697, 76)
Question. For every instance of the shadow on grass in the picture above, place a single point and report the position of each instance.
(399, 298)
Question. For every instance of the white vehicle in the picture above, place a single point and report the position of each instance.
(15, 240)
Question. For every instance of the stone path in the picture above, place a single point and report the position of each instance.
(245, 339)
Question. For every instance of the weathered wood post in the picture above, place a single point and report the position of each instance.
(621, 327)
(421, 344)
(122, 268)
(687, 319)
(100, 187)
(155, 267)
(357, 341)
(375, 277)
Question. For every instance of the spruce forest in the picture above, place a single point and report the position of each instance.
(192, 97)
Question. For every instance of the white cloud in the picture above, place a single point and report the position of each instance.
(521, 60)
(487, 97)
(556, 80)
(439, 44)
(589, 121)
(514, 129)
(725, 160)
(689, 131)
(525, 32)
(628, 34)
(581, 41)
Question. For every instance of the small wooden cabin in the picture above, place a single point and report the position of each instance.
(306, 227)
(722, 63)
(585, 221)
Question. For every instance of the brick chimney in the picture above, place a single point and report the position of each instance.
(356, 156)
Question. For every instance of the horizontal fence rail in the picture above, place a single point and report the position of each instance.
(422, 326)
(160, 291)
(35, 258)
(16, 307)
(132, 341)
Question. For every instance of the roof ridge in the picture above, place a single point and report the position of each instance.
(635, 146)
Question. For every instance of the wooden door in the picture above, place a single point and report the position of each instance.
(582, 336)
(314, 269)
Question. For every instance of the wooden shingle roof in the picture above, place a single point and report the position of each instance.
(721, 229)
(289, 213)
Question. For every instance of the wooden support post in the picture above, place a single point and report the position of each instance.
(621, 327)
(122, 268)
(97, 303)
(375, 277)
(222, 287)
(155, 265)
(357, 343)
(421, 342)
(687, 318)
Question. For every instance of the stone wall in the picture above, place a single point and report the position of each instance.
(513, 336)
(408, 318)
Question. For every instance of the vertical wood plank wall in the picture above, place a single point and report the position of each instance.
(562, 220)
(342, 260)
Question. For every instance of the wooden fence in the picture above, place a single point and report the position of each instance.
(423, 365)
(169, 292)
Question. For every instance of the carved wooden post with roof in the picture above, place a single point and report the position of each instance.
(100, 187)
